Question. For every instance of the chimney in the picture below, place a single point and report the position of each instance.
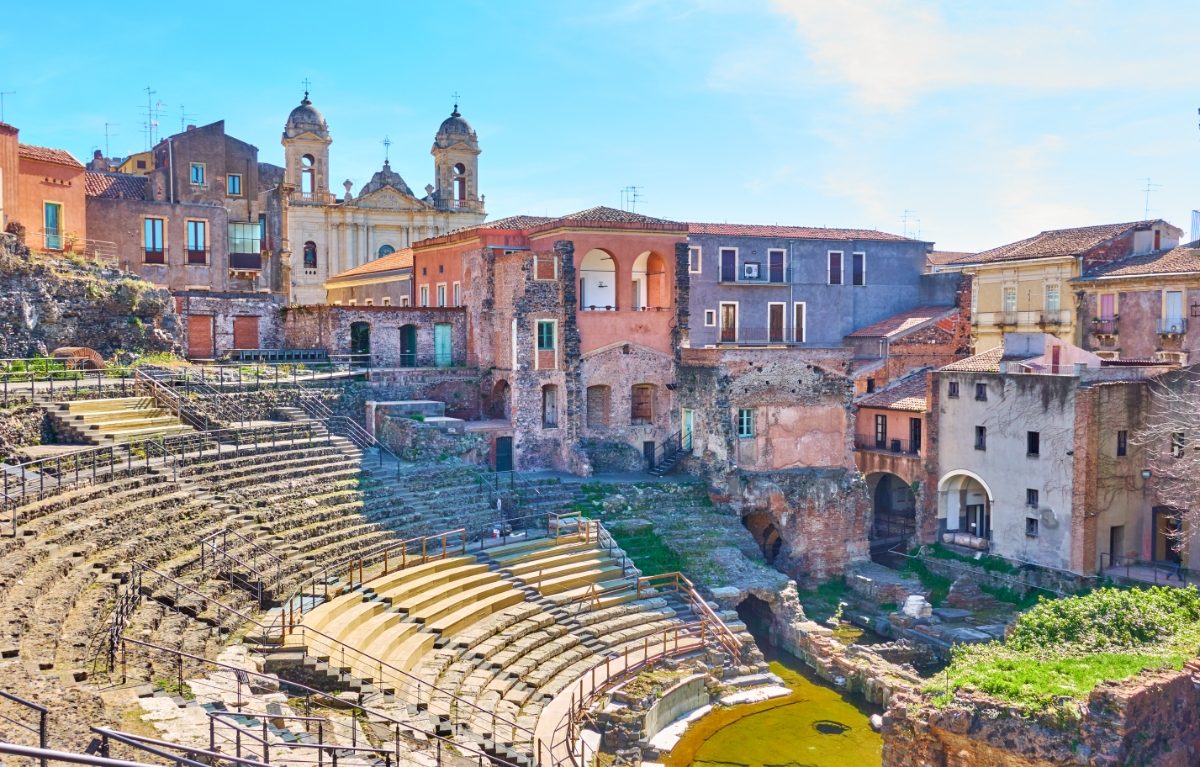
(191, 127)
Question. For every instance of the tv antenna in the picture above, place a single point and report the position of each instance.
(630, 196)
(1149, 188)
(910, 215)
(2, 95)
(183, 118)
(108, 133)
(154, 110)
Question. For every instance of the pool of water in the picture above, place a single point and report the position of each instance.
(815, 726)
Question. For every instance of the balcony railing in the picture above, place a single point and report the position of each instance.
(154, 256)
(1172, 326)
(1105, 326)
(757, 336)
(887, 444)
(476, 205)
(245, 261)
(1054, 317)
(1006, 318)
(197, 257)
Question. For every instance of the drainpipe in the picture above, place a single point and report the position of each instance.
(171, 168)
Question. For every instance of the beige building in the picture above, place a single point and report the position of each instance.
(324, 236)
(1024, 287)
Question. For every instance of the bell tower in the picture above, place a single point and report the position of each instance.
(456, 165)
(306, 143)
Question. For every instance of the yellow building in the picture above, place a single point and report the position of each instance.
(139, 164)
(1024, 287)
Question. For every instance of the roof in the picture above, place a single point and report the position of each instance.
(401, 259)
(984, 362)
(1055, 243)
(47, 154)
(114, 186)
(1184, 259)
(909, 393)
(907, 320)
(602, 214)
(793, 232)
(943, 257)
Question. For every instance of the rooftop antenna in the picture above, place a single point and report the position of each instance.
(154, 110)
(1149, 188)
(387, 143)
(183, 118)
(107, 134)
(2, 95)
(910, 215)
(630, 198)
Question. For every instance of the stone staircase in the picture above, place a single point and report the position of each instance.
(114, 420)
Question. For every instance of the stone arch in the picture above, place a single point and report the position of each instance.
(649, 282)
(766, 534)
(598, 281)
(965, 503)
(500, 401)
(893, 508)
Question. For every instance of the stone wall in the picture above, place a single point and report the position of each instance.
(425, 443)
(22, 426)
(329, 327)
(224, 307)
(49, 301)
(1151, 720)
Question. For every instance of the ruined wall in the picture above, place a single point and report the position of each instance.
(1151, 720)
(328, 327)
(224, 307)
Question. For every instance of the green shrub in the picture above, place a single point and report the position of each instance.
(1108, 619)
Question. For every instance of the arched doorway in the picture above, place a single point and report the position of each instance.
(762, 527)
(965, 504)
(360, 343)
(597, 281)
(894, 508)
(649, 276)
(499, 405)
(408, 346)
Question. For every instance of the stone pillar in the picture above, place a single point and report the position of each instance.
(571, 341)
(679, 331)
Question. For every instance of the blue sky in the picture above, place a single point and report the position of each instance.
(990, 121)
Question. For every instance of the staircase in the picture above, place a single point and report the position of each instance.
(115, 420)
(670, 453)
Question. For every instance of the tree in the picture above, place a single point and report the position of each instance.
(1170, 439)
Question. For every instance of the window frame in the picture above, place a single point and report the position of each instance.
(1056, 289)
(981, 392)
(1178, 443)
(538, 260)
(841, 262)
(737, 321)
(537, 343)
(952, 389)
(203, 167)
(228, 187)
(744, 422)
(440, 292)
(803, 307)
(423, 294)
(783, 330)
(1032, 525)
(736, 263)
(881, 431)
(1033, 444)
(981, 437)
(550, 422)
(456, 293)
(1033, 498)
(1122, 450)
(858, 258)
(783, 266)
(697, 262)
(710, 318)
(188, 228)
(649, 390)
(162, 240)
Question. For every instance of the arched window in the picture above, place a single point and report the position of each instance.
(460, 182)
(549, 406)
(386, 250)
(649, 276)
(597, 281)
(310, 255)
(306, 175)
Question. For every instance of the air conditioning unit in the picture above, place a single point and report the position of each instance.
(750, 271)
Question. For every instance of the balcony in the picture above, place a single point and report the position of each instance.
(1172, 326)
(1005, 318)
(197, 257)
(245, 262)
(1104, 326)
(472, 205)
(1054, 317)
(886, 445)
(154, 256)
(757, 336)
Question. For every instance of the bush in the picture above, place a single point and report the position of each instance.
(1108, 619)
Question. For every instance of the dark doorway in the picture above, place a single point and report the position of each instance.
(762, 527)
(1116, 545)
(895, 510)
(1167, 534)
(498, 405)
(504, 453)
(756, 614)
(648, 454)
(360, 343)
(408, 346)
(914, 435)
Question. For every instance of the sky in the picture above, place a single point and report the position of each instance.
(968, 124)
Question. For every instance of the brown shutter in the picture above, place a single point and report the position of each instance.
(200, 336)
(245, 333)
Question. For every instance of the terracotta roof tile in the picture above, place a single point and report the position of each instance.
(401, 259)
(793, 232)
(984, 362)
(605, 215)
(47, 154)
(1053, 242)
(1184, 259)
(943, 257)
(901, 323)
(114, 186)
(909, 393)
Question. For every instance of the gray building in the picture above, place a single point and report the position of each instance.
(802, 286)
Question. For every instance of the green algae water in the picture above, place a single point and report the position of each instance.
(813, 727)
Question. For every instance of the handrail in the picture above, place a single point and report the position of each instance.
(221, 606)
(157, 747)
(43, 713)
(723, 634)
(218, 543)
(312, 692)
(45, 755)
(227, 410)
(671, 446)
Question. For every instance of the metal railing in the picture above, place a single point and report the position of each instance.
(43, 715)
(261, 573)
(1105, 326)
(886, 444)
(758, 336)
(1156, 572)
(191, 756)
(42, 377)
(670, 449)
(164, 384)
(1172, 326)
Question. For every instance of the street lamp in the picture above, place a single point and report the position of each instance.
(1147, 474)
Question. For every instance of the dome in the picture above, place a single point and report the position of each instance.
(384, 177)
(454, 128)
(306, 119)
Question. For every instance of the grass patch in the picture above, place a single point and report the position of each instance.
(937, 585)
(1061, 649)
(823, 601)
(648, 552)
(992, 564)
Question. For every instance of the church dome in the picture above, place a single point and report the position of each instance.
(385, 177)
(306, 119)
(454, 128)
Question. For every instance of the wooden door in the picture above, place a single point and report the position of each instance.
(504, 453)
(443, 355)
(728, 322)
(245, 333)
(200, 337)
(775, 323)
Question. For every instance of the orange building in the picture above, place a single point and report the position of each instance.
(51, 201)
(9, 175)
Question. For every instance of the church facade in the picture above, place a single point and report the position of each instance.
(322, 235)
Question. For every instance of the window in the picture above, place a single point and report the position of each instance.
(1031, 498)
(745, 422)
(870, 385)
(1178, 442)
(352, 302)
(1033, 443)
(141, 164)
(387, 300)
(981, 392)
(880, 431)
(544, 266)
(835, 267)
(385, 250)
(369, 302)
(776, 312)
(307, 186)
(549, 407)
(424, 295)
(641, 404)
(405, 301)
(858, 269)
(729, 321)
(1010, 299)
(460, 182)
(1122, 443)
(694, 262)
(441, 294)
(196, 173)
(233, 185)
(545, 335)
(952, 389)
(52, 223)
(1052, 298)
(710, 318)
(245, 245)
(775, 265)
(456, 292)
(1108, 306)
(981, 438)
(728, 264)
(598, 403)
(1031, 527)
(310, 255)
(197, 242)
(799, 326)
(152, 240)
